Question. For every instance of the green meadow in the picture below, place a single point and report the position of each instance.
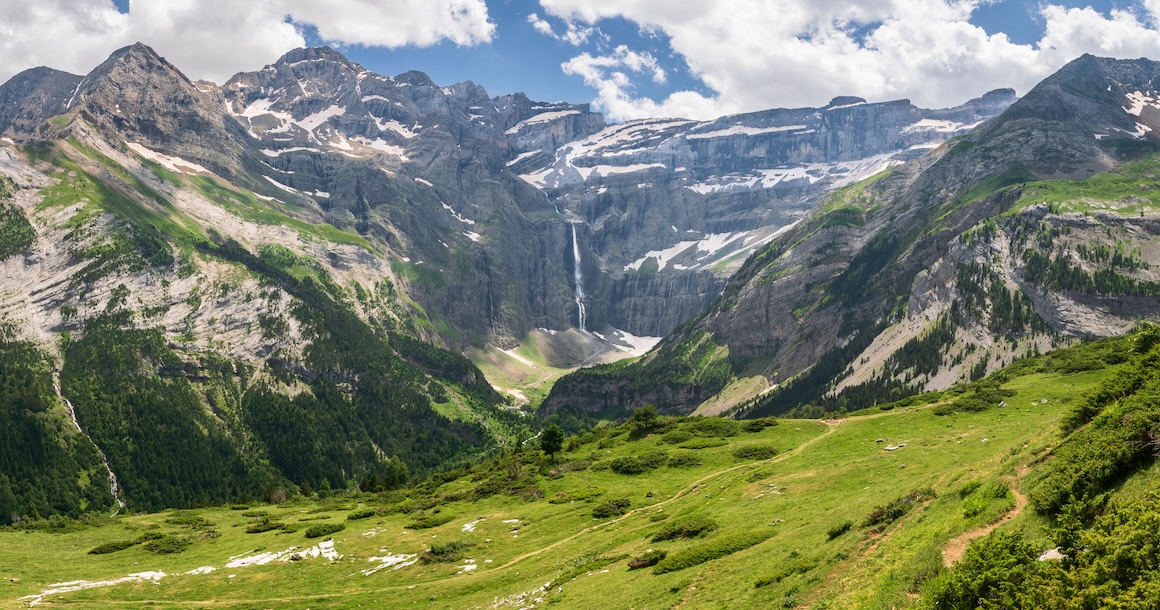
(655, 513)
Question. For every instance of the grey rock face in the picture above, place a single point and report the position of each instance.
(30, 98)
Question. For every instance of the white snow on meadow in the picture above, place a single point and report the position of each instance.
(395, 562)
(80, 585)
(470, 525)
(173, 164)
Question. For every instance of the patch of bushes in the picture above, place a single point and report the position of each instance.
(167, 545)
(839, 529)
(698, 554)
(712, 427)
(365, 513)
(611, 508)
(255, 513)
(685, 528)
(112, 547)
(445, 552)
(324, 529)
(638, 464)
(755, 452)
(684, 460)
(703, 443)
(649, 559)
(675, 437)
(883, 516)
(265, 525)
(759, 424)
(423, 522)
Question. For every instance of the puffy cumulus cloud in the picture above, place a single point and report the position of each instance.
(755, 54)
(608, 74)
(574, 33)
(214, 39)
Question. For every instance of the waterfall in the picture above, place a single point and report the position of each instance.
(114, 484)
(578, 275)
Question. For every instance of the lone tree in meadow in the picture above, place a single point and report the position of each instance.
(552, 440)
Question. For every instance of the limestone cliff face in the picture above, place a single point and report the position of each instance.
(940, 270)
(469, 200)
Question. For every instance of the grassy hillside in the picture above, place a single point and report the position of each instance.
(862, 512)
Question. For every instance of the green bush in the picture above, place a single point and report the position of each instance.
(324, 529)
(712, 426)
(882, 516)
(265, 525)
(703, 443)
(638, 464)
(757, 452)
(423, 522)
(365, 513)
(684, 460)
(445, 552)
(112, 547)
(969, 488)
(839, 529)
(685, 528)
(759, 424)
(649, 559)
(611, 508)
(698, 554)
(675, 437)
(166, 545)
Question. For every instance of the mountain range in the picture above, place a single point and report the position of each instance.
(268, 284)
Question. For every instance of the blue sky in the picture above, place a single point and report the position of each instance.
(631, 58)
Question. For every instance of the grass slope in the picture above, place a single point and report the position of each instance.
(851, 513)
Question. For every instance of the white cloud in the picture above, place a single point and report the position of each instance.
(574, 33)
(213, 39)
(756, 54)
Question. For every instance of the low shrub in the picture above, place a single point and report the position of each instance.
(969, 488)
(365, 513)
(240, 507)
(112, 547)
(611, 508)
(684, 460)
(698, 554)
(757, 425)
(423, 522)
(675, 437)
(167, 545)
(712, 426)
(755, 452)
(632, 464)
(324, 529)
(884, 515)
(649, 559)
(703, 443)
(839, 529)
(264, 525)
(445, 552)
(255, 513)
(685, 528)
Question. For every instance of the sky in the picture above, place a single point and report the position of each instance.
(696, 59)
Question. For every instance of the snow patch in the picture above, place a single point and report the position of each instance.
(743, 130)
(276, 153)
(280, 185)
(470, 525)
(395, 562)
(543, 117)
(472, 235)
(173, 164)
(1138, 101)
(512, 352)
(80, 585)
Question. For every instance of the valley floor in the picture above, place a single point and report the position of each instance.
(546, 547)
